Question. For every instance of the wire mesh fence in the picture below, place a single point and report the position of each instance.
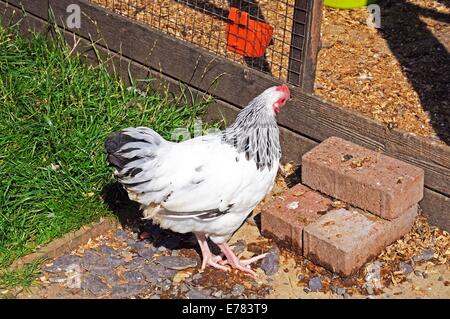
(267, 35)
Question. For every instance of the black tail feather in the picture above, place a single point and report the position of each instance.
(114, 143)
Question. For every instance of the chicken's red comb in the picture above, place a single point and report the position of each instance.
(284, 88)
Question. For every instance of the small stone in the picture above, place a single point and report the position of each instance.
(155, 297)
(121, 235)
(127, 290)
(205, 291)
(133, 277)
(94, 285)
(327, 279)
(441, 278)
(239, 247)
(418, 273)
(369, 290)
(62, 263)
(111, 278)
(315, 284)
(138, 245)
(338, 290)
(425, 255)
(101, 271)
(270, 263)
(175, 253)
(373, 274)
(135, 263)
(106, 250)
(57, 279)
(218, 294)
(146, 253)
(197, 276)
(115, 261)
(156, 272)
(425, 275)
(196, 294)
(237, 290)
(130, 242)
(162, 249)
(176, 262)
(307, 290)
(406, 268)
(92, 260)
(184, 288)
(346, 296)
(165, 287)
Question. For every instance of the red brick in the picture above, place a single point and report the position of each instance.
(343, 240)
(369, 180)
(284, 218)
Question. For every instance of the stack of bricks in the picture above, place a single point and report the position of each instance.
(382, 195)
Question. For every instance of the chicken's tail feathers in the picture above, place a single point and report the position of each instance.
(131, 144)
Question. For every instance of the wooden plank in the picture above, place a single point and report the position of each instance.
(437, 209)
(312, 46)
(38, 8)
(11, 15)
(232, 83)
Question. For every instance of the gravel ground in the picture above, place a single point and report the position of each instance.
(144, 261)
(140, 260)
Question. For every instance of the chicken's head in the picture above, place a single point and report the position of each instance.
(276, 97)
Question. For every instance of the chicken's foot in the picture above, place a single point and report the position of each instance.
(208, 257)
(235, 262)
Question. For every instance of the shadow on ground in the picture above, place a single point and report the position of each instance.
(130, 216)
(425, 60)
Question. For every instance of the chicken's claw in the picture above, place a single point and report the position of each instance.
(235, 262)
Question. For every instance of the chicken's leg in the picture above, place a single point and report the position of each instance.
(235, 262)
(208, 257)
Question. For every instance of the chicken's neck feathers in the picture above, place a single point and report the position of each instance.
(255, 132)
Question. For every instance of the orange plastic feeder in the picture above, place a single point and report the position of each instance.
(246, 36)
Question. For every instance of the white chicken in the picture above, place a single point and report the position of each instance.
(207, 185)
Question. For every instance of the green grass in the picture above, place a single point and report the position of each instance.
(55, 114)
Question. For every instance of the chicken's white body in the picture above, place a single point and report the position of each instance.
(209, 184)
(208, 174)
(195, 177)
